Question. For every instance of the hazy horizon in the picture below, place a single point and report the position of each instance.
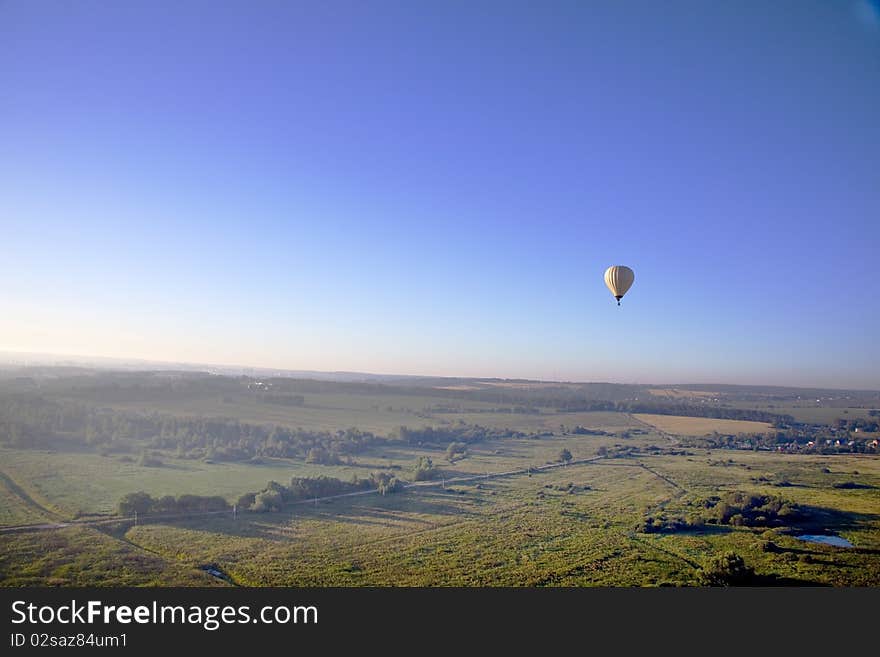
(33, 359)
(437, 190)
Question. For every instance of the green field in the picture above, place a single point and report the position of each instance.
(83, 482)
(520, 530)
(582, 524)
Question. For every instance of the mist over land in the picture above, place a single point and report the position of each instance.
(30, 360)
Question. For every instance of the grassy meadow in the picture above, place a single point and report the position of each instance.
(579, 525)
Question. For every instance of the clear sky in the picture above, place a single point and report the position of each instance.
(438, 187)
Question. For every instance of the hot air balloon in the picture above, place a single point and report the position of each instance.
(619, 279)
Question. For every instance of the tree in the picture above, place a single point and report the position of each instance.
(385, 482)
(456, 450)
(424, 469)
(323, 456)
(246, 501)
(139, 502)
(565, 455)
(165, 504)
(728, 569)
(268, 500)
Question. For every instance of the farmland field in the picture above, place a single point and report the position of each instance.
(699, 426)
(677, 393)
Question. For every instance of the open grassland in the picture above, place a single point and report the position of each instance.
(516, 532)
(378, 414)
(572, 526)
(88, 483)
(568, 526)
(582, 524)
(72, 483)
(16, 505)
(699, 426)
(81, 556)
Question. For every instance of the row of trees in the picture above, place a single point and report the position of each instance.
(457, 433)
(461, 408)
(143, 504)
(279, 398)
(274, 496)
(583, 431)
(662, 407)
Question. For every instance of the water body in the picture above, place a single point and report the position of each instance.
(215, 571)
(836, 541)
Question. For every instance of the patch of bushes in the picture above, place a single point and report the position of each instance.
(733, 509)
(728, 569)
(274, 496)
(143, 504)
(463, 433)
(456, 451)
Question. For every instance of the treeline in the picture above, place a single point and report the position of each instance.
(674, 408)
(29, 421)
(224, 439)
(105, 387)
(460, 433)
(279, 398)
(583, 431)
(143, 504)
(458, 408)
(274, 496)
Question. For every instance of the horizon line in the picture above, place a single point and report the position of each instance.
(94, 360)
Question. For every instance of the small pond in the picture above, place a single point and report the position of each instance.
(826, 539)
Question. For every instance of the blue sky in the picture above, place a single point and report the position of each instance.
(437, 188)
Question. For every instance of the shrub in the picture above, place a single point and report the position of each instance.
(139, 502)
(456, 450)
(246, 501)
(268, 500)
(385, 482)
(424, 469)
(728, 569)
